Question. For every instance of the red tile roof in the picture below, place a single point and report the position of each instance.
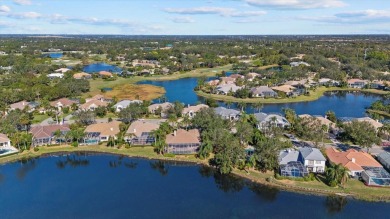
(352, 159)
(47, 131)
(182, 136)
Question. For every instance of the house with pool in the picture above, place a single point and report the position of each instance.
(183, 142)
(101, 132)
(5, 146)
(360, 164)
(46, 134)
(140, 131)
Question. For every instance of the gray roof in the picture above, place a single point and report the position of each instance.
(309, 153)
(228, 87)
(385, 157)
(262, 117)
(262, 89)
(126, 103)
(286, 156)
(224, 112)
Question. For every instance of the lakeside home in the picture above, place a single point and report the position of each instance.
(268, 120)
(161, 108)
(82, 75)
(192, 110)
(125, 103)
(229, 114)
(100, 132)
(140, 131)
(183, 142)
(357, 83)
(263, 91)
(45, 134)
(5, 142)
(287, 90)
(225, 89)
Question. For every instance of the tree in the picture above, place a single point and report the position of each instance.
(241, 105)
(266, 153)
(361, 133)
(132, 112)
(244, 131)
(85, 117)
(101, 111)
(258, 106)
(337, 174)
(331, 116)
(160, 136)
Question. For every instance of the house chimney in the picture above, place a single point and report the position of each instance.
(135, 130)
(174, 133)
(353, 160)
(112, 129)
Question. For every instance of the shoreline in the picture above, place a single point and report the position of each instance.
(147, 152)
(313, 97)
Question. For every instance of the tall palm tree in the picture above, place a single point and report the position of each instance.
(241, 105)
(258, 106)
(337, 173)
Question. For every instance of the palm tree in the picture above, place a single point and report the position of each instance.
(241, 105)
(186, 121)
(337, 173)
(258, 106)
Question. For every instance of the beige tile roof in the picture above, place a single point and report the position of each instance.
(284, 88)
(47, 131)
(63, 102)
(81, 75)
(105, 73)
(97, 103)
(20, 105)
(373, 122)
(164, 106)
(194, 108)
(138, 127)
(4, 138)
(352, 159)
(105, 129)
(184, 137)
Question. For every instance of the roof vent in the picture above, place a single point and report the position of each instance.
(353, 160)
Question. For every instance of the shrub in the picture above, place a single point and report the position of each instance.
(75, 144)
(127, 146)
(36, 149)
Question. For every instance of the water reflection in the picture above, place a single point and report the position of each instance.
(2, 178)
(160, 167)
(73, 160)
(266, 193)
(335, 204)
(27, 165)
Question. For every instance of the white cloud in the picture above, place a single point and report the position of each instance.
(361, 17)
(22, 2)
(225, 12)
(296, 4)
(4, 8)
(182, 19)
(25, 15)
(4, 24)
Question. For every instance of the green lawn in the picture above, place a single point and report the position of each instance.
(39, 118)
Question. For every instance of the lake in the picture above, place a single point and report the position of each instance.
(344, 104)
(54, 55)
(108, 186)
(101, 66)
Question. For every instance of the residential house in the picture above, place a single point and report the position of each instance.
(290, 165)
(380, 85)
(236, 76)
(270, 120)
(227, 80)
(352, 159)
(287, 90)
(213, 82)
(251, 76)
(82, 75)
(263, 91)
(296, 64)
(5, 142)
(140, 131)
(55, 75)
(183, 142)
(376, 124)
(312, 159)
(105, 74)
(45, 134)
(331, 126)
(94, 102)
(125, 103)
(357, 83)
(229, 114)
(225, 89)
(62, 70)
(384, 159)
(328, 82)
(101, 132)
(63, 102)
(162, 108)
(31, 106)
(192, 110)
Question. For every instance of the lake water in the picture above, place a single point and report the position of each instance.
(344, 104)
(101, 66)
(107, 186)
(54, 55)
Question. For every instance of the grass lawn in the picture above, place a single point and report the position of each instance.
(39, 118)
(379, 112)
(314, 95)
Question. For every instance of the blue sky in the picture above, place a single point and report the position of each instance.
(192, 17)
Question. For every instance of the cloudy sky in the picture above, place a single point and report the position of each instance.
(192, 17)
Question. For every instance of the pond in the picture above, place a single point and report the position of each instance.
(344, 104)
(108, 186)
(101, 66)
(54, 55)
